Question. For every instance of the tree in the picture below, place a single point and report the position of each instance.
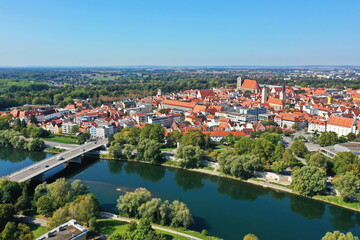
(250, 236)
(174, 137)
(299, 148)
(115, 150)
(93, 225)
(191, 156)
(83, 137)
(241, 166)
(153, 132)
(36, 145)
(309, 180)
(77, 188)
(349, 186)
(140, 231)
(150, 151)
(181, 215)
(6, 214)
(195, 138)
(321, 161)
(271, 137)
(10, 231)
(328, 139)
(44, 205)
(339, 236)
(33, 119)
(346, 162)
(10, 191)
(151, 210)
(287, 160)
(295, 126)
(279, 151)
(243, 146)
(74, 129)
(131, 201)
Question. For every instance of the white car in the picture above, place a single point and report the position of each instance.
(60, 158)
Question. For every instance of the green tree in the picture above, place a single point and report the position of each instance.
(150, 151)
(6, 214)
(115, 150)
(44, 205)
(346, 162)
(131, 201)
(173, 138)
(181, 216)
(351, 136)
(299, 148)
(74, 129)
(191, 156)
(243, 146)
(83, 137)
(36, 145)
(349, 186)
(328, 139)
(287, 160)
(319, 160)
(274, 138)
(151, 210)
(195, 138)
(250, 236)
(309, 180)
(339, 236)
(153, 132)
(279, 152)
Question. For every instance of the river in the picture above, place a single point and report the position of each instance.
(227, 208)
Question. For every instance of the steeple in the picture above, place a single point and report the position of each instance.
(264, 95)
(283, 94)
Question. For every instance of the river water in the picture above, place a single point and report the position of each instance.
(227, 208)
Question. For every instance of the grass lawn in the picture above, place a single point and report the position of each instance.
(60, 139)
(338, 200)
(109, 226)
(167, 149)
(37, 230)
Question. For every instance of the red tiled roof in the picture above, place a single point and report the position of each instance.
(275, 101)
(180, 104)
(251, 84)
(341, 121)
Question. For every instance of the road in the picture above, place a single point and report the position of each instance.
(108, 215)
(32, 220)
(49, 163)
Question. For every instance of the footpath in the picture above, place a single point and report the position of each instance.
(104, 215)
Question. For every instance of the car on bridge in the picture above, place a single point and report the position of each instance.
(60, 158)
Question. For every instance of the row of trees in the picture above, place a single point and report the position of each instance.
(13, 139)
(139, 204)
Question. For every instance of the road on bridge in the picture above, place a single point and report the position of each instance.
(49, 163)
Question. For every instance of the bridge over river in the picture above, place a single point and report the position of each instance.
(52, 162)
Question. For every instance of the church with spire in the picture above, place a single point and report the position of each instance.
(276, 103)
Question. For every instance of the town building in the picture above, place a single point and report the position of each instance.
(70, 230)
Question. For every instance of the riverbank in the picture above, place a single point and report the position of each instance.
(333, 200)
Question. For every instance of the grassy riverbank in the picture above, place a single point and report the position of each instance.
(109, 226)
(61, 139)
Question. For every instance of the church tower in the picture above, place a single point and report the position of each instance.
(239, 83)
(264, 95)
(283, 94)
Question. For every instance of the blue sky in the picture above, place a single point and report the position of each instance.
(179, 32)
